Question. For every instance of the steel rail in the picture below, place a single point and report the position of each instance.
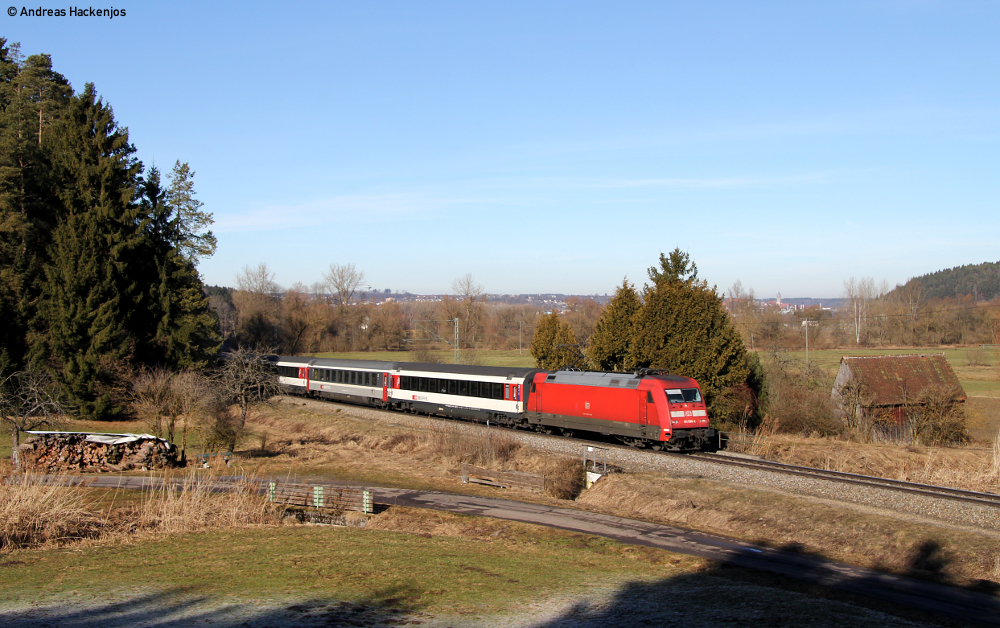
(927, 490)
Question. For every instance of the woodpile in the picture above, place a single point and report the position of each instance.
(64, 452)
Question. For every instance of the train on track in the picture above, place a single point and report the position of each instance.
(643, 409)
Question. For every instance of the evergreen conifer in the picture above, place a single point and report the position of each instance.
(612, 338)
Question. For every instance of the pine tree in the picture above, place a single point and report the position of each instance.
(550, 347)
(193, 238)
(186, 331)
(683, 327)
(92, 290)
(94, 280)
(32, 97)
(612, 337)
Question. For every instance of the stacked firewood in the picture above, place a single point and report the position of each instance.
(73, 452)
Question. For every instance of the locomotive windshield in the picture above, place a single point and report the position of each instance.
(683, 395)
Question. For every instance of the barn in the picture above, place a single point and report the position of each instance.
(887, 385)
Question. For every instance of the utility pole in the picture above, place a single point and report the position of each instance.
(434, 333)
(806, 323)
(519, 337)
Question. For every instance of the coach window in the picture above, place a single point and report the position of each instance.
(473, 389)
(498, 391)
(422, 384)
(463, 388)
(442, 386)
(378, 380)
(452, 387)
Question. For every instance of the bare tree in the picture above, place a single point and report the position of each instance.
(472, 314)
(746, 313)
(859, 294)
(247, 379)
(152, 400)
(256, 302)
(301, 319)
(161, 397)
(29, 400)
(343, 281)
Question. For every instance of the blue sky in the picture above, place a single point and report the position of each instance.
(559, 147)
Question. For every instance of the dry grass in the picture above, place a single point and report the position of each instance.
(974, 468)
(339, 440)
(37, 515)
(888, 543)
(191, 506)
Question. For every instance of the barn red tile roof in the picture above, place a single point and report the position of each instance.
(896, 379)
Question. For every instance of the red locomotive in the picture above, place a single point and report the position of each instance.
(645, 408)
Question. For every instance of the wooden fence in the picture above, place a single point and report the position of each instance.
(504, 479)
(337, 498)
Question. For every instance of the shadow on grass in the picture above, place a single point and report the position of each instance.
(794, 592)
(790, 589)
(178, 608)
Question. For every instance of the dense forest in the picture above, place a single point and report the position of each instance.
(979, 281)
(98, 252)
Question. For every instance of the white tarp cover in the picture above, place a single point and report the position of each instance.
(110, 439)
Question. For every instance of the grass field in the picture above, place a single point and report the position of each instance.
(977, 369)
(467, 571)
(441, 573)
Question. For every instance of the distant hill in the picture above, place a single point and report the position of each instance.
(980, 280)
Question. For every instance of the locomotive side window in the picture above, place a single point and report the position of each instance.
(649, 396)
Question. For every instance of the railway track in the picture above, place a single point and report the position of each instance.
(927, 490)
(924, 490)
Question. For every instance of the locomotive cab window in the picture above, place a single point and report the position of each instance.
(683, 395)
